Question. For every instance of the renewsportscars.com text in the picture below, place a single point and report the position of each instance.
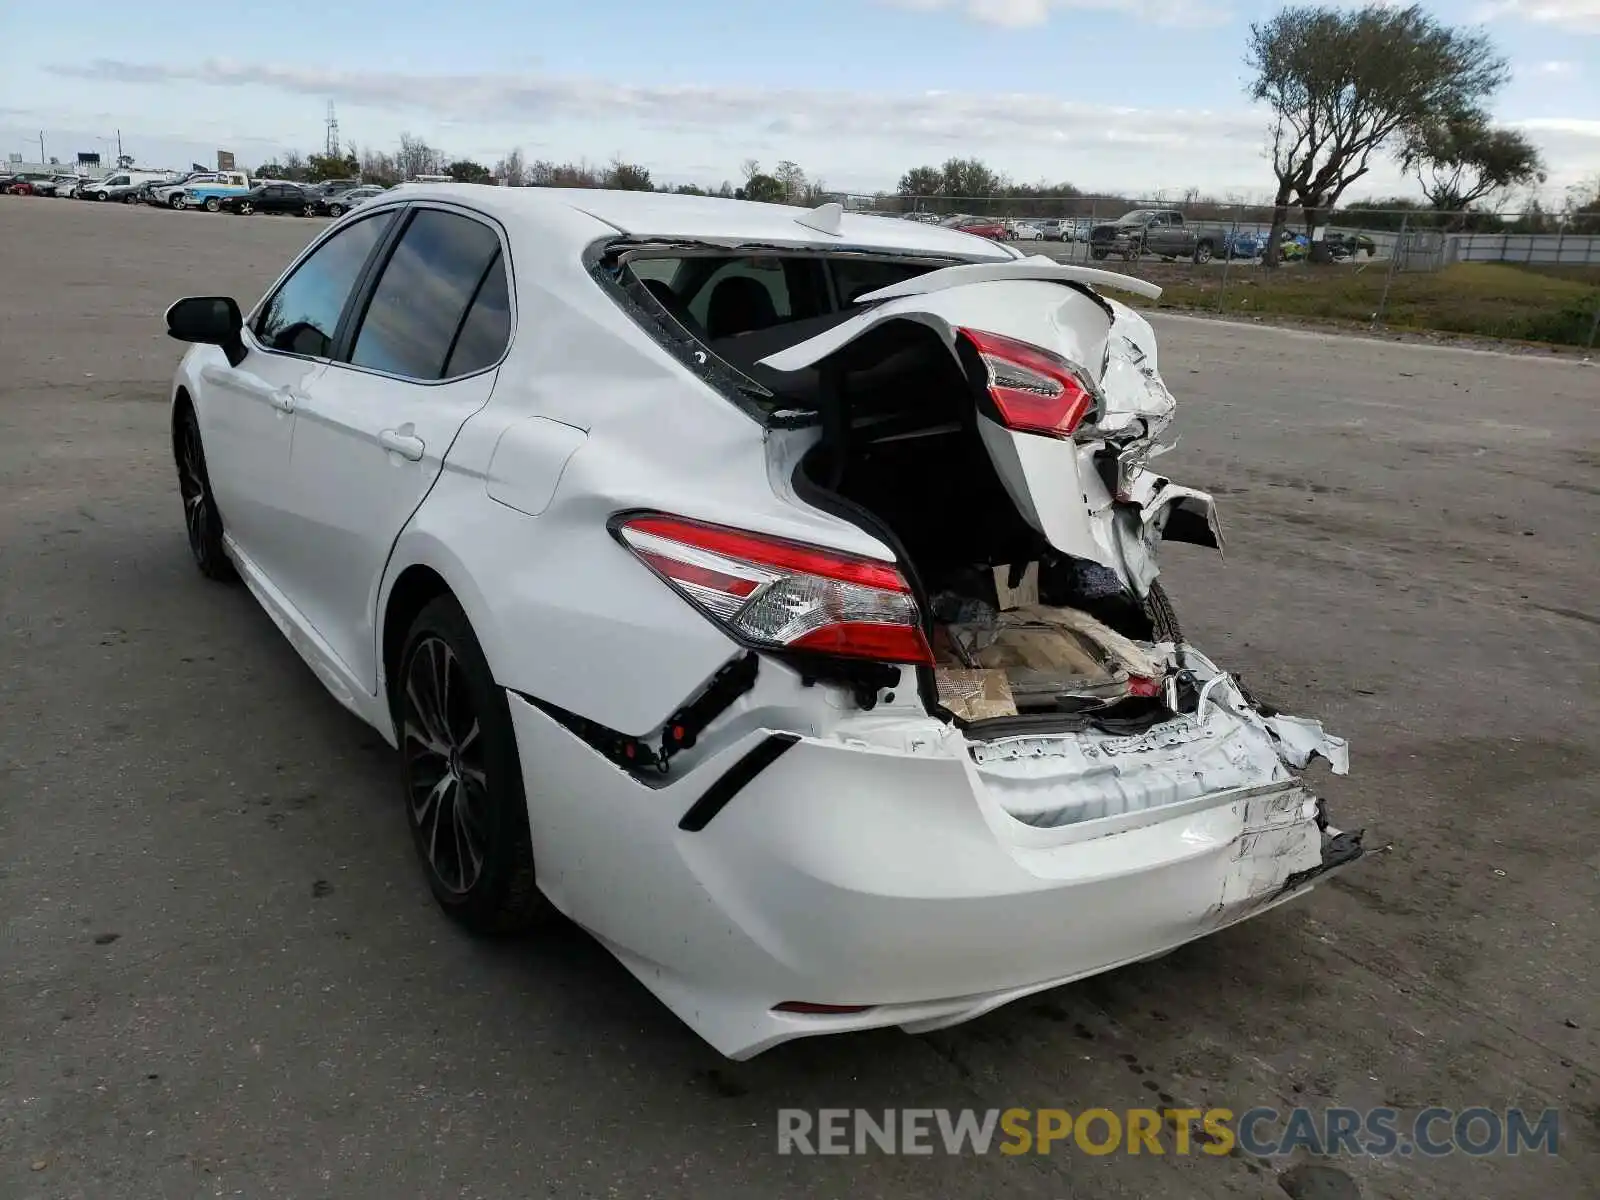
(1265, 1132)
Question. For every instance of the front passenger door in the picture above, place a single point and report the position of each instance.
(372, 438)
(246, 412)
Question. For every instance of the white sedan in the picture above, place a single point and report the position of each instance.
(808, 652)
(1026, 231)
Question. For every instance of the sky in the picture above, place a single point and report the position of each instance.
(1125, 96)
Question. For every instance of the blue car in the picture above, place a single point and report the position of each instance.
(1243, 243)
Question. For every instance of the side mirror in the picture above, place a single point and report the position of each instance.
(210, 321)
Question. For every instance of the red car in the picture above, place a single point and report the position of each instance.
(17, 185)
(989, 229)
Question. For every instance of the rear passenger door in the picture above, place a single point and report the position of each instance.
(420, 355)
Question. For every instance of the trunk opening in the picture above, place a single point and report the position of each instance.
(1026, 639)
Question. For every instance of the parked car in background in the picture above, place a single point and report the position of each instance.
(1348, 245)
(1162, 231)
(23, 183)
(1051, 230)
(988, 227)
(211, 193)
(332, 187)
(123, 186)
(1244, 243)
(171, 194)
(1024, 231)
(342, 202)
(53, 185)
(268, 198)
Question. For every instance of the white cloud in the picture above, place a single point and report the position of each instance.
(1027, 14)
(858, 141)
(1580, 16)
(1560, 70)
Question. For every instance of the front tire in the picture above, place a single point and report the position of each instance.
(462, 777)
(1202, 253)
(1098, 255)
(177, 202)
(245, 208)
(201, 518)
(336, 210)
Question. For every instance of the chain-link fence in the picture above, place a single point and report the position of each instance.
(1532, 276)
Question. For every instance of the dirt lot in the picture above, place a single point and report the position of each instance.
(221, 972)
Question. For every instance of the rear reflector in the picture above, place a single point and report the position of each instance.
(1036, 391)
(805, 1006)
(781, 595)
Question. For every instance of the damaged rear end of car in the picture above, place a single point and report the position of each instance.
(987, 762)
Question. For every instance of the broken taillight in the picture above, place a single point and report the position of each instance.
(775, 594)
(1034, 390)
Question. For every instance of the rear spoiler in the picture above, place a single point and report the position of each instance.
(1037, 266)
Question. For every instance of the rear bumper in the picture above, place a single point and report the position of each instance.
(847, 874)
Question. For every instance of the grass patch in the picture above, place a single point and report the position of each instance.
(1495, 300)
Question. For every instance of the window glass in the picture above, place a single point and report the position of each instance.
(766, 271)
(419, 302)
(664, 269)
(854, 277)
(487, 329)
(303, 315)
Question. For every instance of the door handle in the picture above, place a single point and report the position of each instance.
(284, 399)
(407, 445)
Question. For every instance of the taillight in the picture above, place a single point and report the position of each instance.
(780, 595)
(1036, 391)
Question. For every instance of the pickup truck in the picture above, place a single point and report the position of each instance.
(210, 194)
(171, 194)
(1160, 231)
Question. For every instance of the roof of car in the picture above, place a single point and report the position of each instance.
(660, 214)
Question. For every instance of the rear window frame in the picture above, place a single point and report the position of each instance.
(608, 260)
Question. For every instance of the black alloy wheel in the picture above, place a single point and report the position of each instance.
(201, 519)
(462, 778)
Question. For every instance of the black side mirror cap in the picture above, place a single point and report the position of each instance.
(210, 321)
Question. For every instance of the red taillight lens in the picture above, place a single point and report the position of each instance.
(1036, 391)
(783, 595)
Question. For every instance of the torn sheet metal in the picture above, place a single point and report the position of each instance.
(1051, 781)
(1301, 739)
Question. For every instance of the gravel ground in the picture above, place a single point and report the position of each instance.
(221, 972)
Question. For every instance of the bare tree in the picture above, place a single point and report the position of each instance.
(791, 178)
(749, 168)
(294, 165)
(1461, 158)
(512, 169)
(1341, 84)
(416, 157)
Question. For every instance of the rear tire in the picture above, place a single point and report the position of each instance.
(1202, 253)
(1163, 617)
(461, 776)
(336, 210)
(1098, 255)
(213, 204)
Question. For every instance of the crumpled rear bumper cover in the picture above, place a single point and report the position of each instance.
(850, 874)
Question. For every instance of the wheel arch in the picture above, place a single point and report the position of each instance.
(420, 571)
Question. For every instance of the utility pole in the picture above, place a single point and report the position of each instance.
(118, 163)
(42, 158)
(331, 147)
